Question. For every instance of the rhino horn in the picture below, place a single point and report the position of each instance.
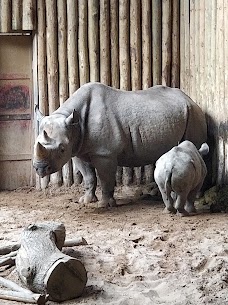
(39, 114)
(73, 118)
(41, 152)
(46, 137)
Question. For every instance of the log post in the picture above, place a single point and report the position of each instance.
(52, 68)
(42, 73)
(147, 64)
(28, 12)
(166, 42)
(83, 42)
(63, 75)
(43, 268)
(156, 41)
(73, 68)
(16, 15)
(124, 57)
(104, 42)
(93, 39)
(115, 66)
(6, 8)
(135, 56)
(175, 69)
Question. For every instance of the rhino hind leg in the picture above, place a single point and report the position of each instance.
(168, 201)
(191, 199)
(180, 204)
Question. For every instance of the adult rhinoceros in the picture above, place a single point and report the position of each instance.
(105, 127)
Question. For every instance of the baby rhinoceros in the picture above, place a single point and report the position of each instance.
(181, 171)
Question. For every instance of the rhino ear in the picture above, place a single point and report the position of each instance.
(41, 151)
(39, 115)
(72, 119)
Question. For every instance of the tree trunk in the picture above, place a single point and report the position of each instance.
(44, 268)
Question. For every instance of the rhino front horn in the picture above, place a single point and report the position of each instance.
(41, 152)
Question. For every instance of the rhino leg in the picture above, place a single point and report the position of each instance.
(106, 169)
(89, 179)
(168, 201)
(180, 204)
(191, 199)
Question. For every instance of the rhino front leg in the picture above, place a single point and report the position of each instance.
(89, 180)
(106, 169)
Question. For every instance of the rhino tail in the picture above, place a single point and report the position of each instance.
(204, 149)
(168, 188)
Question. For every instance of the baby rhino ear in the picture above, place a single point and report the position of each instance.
(73, 118)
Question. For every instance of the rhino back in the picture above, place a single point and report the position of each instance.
(136, 126)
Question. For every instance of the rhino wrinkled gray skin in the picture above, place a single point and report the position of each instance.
(181, 170)
(104, 127)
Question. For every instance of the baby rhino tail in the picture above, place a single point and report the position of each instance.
(204, 149)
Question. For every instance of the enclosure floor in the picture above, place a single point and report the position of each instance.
(136, 254)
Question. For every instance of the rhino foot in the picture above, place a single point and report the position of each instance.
(182, 213)
(87, 198)
(170, 210)
(106, 203)
(191, 210)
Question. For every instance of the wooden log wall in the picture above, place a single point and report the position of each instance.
(204, 72)
(129, 44)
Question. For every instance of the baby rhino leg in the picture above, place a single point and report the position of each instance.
(180, 204)
(168, 201)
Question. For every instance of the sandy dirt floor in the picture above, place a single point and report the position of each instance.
(136, 254)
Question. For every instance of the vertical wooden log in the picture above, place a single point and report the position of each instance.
(225, 102)
(175, 69)
(147, 64)
(114, 40)
(73, 69)
(17, 15)
(184, 45)
(105, 41)
(124, 57)
(211, 107)
(192, 54)
(115, 68)
(156, 41)
(135, 44)
(42, 72)
(52, 67)
(93, 39)
(220, 89)
(166, 42)
(63, 75)
(135, 57)
(196, 51)
(28, 15)
(6, 9)
(83, 42)
(146, 45)
(202, 53)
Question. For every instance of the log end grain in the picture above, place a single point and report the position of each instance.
(65, 280)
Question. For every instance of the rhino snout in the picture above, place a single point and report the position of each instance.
(42, 169)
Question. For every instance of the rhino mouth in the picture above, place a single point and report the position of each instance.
(42, 169)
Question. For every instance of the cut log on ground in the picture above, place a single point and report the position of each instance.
(42, 266)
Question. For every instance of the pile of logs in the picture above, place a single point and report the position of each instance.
(43, 268)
